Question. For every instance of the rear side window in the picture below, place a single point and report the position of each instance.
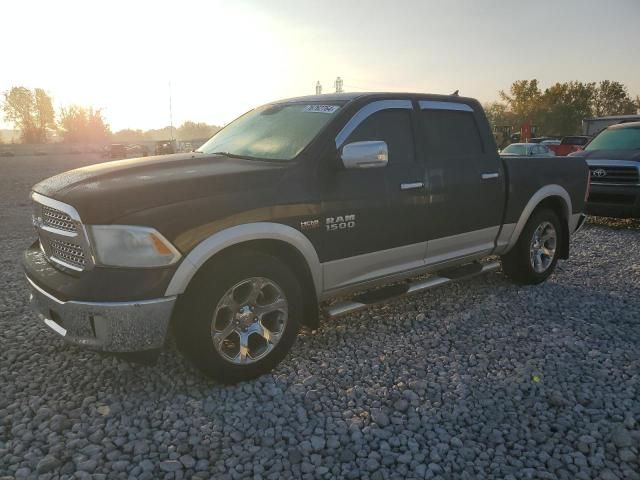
(450, 133)
(392, 126)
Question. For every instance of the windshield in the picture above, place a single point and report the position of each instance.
(616, 139)
(515, 149)
(272, 132)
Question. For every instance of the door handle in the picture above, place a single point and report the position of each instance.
(488, 176)
(411, 186)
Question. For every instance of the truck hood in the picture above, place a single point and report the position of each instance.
(608, 155)
(107, 191)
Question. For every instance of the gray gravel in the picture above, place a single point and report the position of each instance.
(481, 379)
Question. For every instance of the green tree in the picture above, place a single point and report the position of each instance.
(563, 106)
(83, 125)
(195, 130)
(612, 98)
(129, 135)
(498, 114)
(523, 100)
(31, 112)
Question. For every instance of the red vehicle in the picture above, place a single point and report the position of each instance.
(569, 145)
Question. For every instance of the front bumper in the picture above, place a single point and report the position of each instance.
(614, 201)
(579, 223)
(106, 326)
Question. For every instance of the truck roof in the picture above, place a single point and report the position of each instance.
(625, 125)
(612, 117)
(348, 96)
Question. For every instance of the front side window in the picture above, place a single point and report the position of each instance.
(272, 132)
(616, 139)
(392, 126)
(451, 133)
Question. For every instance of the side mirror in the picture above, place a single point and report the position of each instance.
(370, 154)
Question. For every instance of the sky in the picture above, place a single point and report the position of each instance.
(220, 58)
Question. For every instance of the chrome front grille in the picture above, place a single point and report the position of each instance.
(56, 219)
(66, 251)
(62, 236)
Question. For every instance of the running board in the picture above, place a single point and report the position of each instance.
(384, 294)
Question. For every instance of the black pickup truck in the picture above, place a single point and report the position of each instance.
(233, 247)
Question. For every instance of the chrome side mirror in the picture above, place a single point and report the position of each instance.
(370, 154)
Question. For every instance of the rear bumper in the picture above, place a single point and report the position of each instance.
(106, 326)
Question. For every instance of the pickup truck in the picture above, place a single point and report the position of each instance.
(613, 157)
(230, 249)
(568, 145)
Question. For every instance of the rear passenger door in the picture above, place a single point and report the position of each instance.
(465, 192)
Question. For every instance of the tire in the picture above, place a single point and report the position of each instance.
(240, 316)
(535, 255)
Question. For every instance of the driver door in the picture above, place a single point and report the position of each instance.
(379, 208)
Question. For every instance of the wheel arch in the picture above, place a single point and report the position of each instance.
(281, 241)
(551, 196)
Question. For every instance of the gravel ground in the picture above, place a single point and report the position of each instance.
(480, 379)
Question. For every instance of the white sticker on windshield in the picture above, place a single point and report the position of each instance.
(321, 108)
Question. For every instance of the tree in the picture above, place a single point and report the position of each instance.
(524, 100)
(129, 135)
(191, 130)
(31, 112)
(498, 114)
(612, 98)
(83, 125)
(563, 106)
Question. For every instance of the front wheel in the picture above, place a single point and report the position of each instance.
(534, 257)
(241, 317)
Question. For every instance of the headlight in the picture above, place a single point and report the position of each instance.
(129, 246)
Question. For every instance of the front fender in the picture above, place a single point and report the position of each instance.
(239, 234)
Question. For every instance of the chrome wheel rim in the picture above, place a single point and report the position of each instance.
(249, 320)
(543, 247)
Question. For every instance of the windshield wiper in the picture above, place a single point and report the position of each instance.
(235, 155)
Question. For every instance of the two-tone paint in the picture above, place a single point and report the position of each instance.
(399, 221)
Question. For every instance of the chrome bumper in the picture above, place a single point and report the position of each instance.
(109, 327)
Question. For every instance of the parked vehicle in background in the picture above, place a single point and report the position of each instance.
(117, 150)
(614, 163)
(541, 139)
(165, 147)
(233, 246)
(594, 125)
(527, 149)
(135, 150)
(570, 144)
(120, 150)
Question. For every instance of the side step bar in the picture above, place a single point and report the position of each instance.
(384, 294)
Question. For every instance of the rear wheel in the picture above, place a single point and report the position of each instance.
(241, 317)
(535, 255)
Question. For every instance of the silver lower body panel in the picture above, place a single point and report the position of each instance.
(110, 326)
